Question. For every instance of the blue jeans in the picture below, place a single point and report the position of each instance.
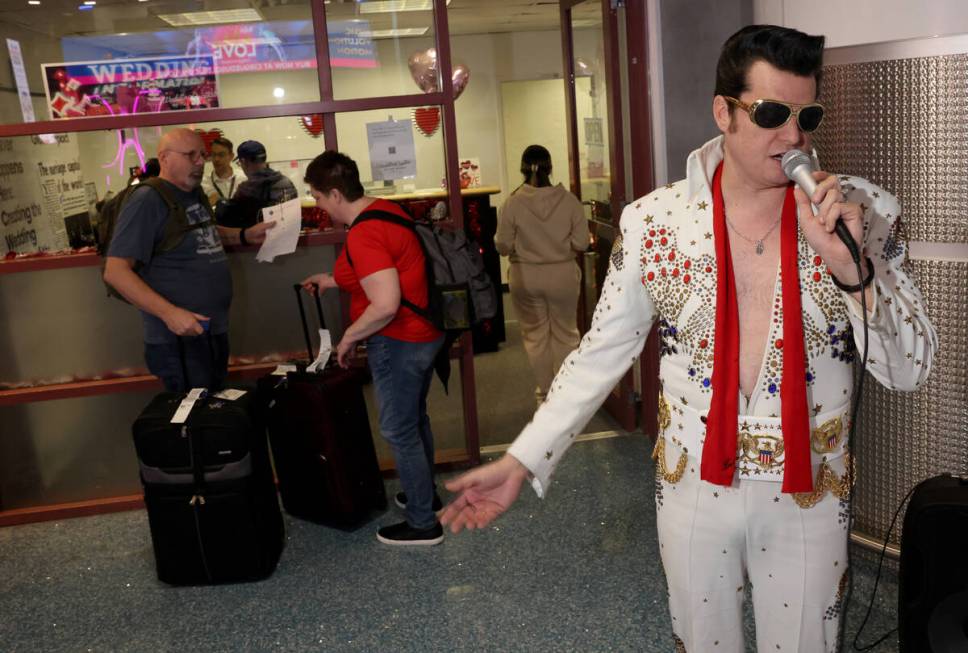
(206, 362)
(402, 372)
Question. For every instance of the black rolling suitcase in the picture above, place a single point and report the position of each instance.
(933, 573)
(321, 441)
(209, 491)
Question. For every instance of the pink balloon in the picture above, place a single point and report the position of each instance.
(460, 75)
(423, 69)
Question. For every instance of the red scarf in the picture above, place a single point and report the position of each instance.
(719, 450)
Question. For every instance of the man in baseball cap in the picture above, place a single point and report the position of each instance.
(263, 187)
(253, 151)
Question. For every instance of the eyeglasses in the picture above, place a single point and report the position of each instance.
(773, 114)
(193, 155)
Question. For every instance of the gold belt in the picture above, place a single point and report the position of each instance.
(765, 452)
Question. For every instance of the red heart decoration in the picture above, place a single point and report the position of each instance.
(427, 120)
(312, 124)
(209, 136)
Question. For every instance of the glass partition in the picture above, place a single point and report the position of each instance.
(591, 108)
(382, 47)
(76, 60)
(106, 159)
(398, 151)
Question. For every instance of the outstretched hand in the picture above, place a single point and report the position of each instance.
(483, 494)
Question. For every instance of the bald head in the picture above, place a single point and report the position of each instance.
(181, 155)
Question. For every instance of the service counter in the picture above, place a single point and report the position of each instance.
(72, 377)
(480, 224)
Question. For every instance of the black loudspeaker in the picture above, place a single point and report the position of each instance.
(933, 590)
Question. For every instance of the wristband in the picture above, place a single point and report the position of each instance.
(859, 286)
(243, 241)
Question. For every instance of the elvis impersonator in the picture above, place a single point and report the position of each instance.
(758, 305)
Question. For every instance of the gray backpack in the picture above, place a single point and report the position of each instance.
(460, 292)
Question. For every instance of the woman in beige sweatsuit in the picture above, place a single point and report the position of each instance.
(540, 228)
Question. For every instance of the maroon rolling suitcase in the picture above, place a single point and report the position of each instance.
(321, 442)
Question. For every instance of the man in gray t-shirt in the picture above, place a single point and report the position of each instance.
(184, 292)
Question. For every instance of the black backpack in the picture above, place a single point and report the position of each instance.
(243, 211)
(459, 290)
(175, 228)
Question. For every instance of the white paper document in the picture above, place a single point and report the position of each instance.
(325, 347)
(282, 238)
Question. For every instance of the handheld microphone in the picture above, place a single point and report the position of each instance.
(798, 167)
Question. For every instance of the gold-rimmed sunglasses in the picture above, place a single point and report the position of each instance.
(773, 114)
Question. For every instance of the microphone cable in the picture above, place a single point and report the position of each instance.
(849, 471)
(877, 578)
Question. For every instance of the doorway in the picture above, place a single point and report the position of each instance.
(604, 48)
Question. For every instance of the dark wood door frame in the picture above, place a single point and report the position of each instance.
(643, 181)
(620, 403)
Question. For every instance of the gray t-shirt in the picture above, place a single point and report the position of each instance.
(194, 276)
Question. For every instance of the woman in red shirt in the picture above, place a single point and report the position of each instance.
(385, 264)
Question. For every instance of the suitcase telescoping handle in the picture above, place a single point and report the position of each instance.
(302, 315)
(183, 360)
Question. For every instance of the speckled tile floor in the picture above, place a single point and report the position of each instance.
(577, 572)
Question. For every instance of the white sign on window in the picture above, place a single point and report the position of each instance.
(392, 153)
(20, 76)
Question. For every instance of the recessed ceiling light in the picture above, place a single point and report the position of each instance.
(90, 2)
(395, 6)
(33, 2)
(278, 92)
(211, 17)
(391, 33)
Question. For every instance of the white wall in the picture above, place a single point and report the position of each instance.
(527, 111)
(866, 21)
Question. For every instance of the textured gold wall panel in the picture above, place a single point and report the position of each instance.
(903, 124)
(904, 437)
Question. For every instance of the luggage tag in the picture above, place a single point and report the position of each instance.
(325, 349)
(282, 370)
(229, 393)
(186, 405)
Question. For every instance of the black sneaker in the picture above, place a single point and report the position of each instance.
(403, 534)
(401, 500)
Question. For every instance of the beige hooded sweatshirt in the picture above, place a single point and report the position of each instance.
(541, 225)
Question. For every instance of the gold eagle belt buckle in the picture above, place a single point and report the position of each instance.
(762, 451)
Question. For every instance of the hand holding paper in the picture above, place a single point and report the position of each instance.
(281, 239)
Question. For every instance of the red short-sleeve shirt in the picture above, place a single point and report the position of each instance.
(378, 245)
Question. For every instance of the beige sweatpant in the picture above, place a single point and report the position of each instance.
(545, 299)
